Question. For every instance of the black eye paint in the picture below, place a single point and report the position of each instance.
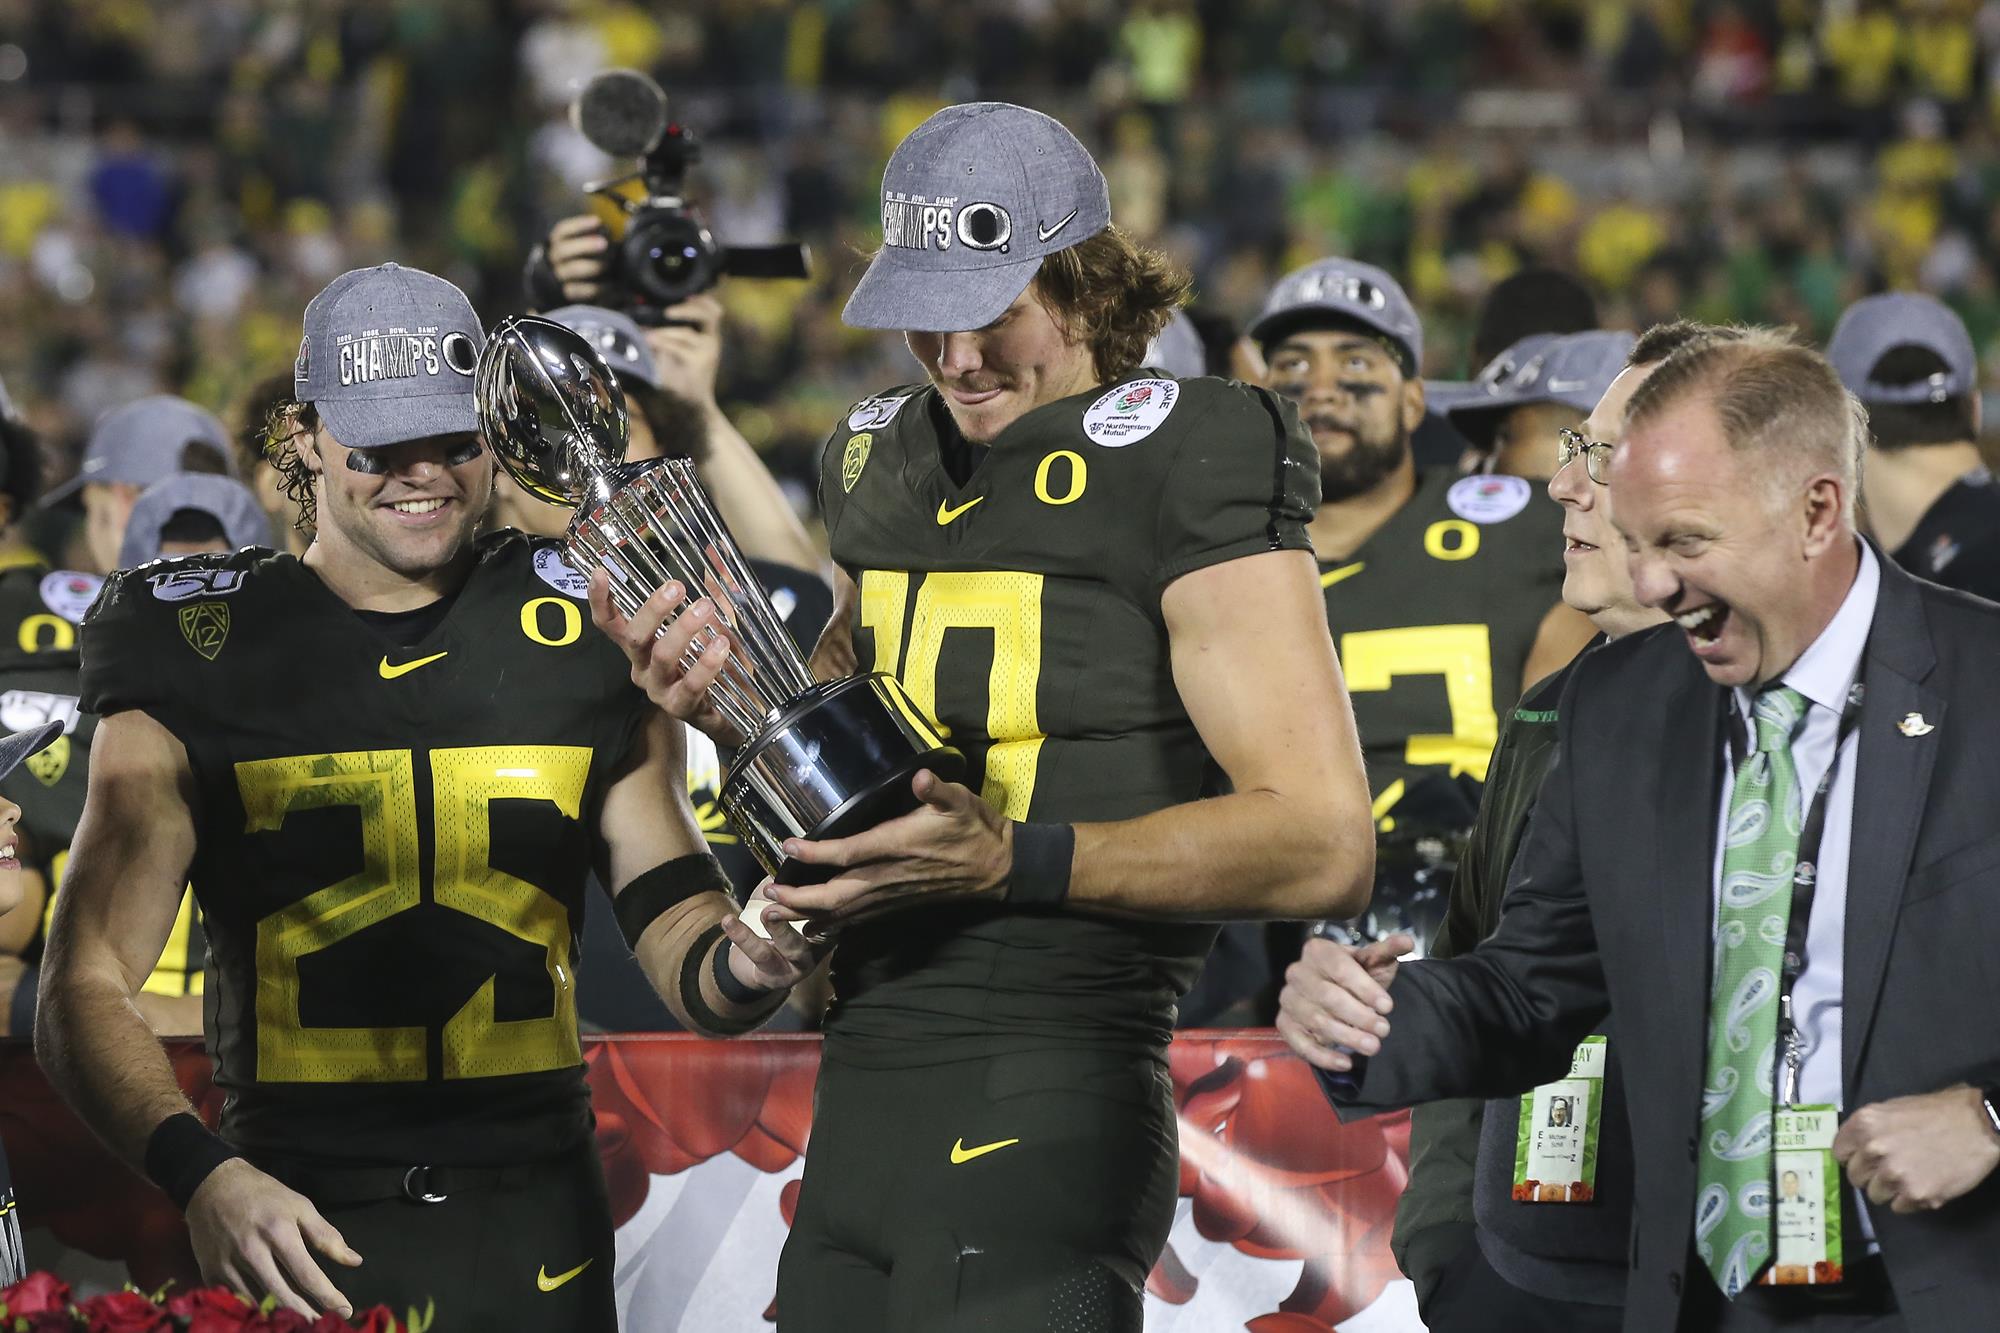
(1291, 388)
(1361, 388)
(368, 462)
(463, 452)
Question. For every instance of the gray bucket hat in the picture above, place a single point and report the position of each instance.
(1573, 369)
(972, 201)
(144, 440)
(1343, 289)
(229, 503)
(617, 338)
(388, 356)
(21, 744)
(1874, 325)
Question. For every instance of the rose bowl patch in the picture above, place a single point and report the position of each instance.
(1129, 413)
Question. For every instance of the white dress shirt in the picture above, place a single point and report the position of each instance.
(1823, 674)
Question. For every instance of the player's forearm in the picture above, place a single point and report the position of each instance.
(1247, 856)
(681, 953)
(102, 1057)
(751, 503)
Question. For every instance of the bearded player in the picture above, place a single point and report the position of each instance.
(385, 767)
(1097, 579)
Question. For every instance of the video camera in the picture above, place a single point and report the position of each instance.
(661, 252)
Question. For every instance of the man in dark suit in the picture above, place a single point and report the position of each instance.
(1682, 751)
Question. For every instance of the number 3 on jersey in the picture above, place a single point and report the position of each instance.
(1003, 605)
(381, 784)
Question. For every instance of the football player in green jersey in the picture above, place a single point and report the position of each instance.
(1441, 591)
(385, 769)
(1096, 579)
(40, 609)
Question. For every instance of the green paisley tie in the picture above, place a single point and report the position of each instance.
(1761, 843)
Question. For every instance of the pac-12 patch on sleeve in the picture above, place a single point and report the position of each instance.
(1492, 499)
(1129, 413)
(875, 413)
(559, 574)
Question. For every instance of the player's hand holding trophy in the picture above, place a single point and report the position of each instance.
(816, 759)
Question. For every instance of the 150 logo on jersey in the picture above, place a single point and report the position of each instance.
(184, 585)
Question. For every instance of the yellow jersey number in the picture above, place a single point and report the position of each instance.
(381, 785)
(1007, 604)
(1463, 655)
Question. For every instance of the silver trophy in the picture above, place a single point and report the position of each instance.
(820, 759)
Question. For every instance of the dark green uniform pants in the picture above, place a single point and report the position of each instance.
(520, 1247)
(1007, 1194)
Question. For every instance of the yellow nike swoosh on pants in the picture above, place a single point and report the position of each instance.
(547, 1283)
(960, 1154)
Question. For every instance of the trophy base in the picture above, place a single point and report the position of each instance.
(836, 760)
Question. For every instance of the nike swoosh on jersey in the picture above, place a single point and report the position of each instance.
(1333, 576)
(405, 668)
(1048, 233)
(960, 1154)
(946, 513)
(547, 1283)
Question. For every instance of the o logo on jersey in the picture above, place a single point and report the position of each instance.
(1079, 477)
(572, 621)
(1462, 536)
(62, 634)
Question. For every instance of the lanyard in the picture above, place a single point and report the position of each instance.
(1805, 877)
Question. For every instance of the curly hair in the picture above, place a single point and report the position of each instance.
(277, 439)
(1114, 295)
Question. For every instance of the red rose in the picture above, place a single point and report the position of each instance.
(37, 1293)
(280, 1320)
(375, 1319)
(46, 1321)
(209, 1300)
(122, 1312)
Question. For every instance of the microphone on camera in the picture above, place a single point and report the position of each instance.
(622, 112)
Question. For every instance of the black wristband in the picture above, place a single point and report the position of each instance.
(1042, 856)
(181, 1153)
(733, 990)
(639, 903)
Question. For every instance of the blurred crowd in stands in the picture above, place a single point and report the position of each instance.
(180, 176)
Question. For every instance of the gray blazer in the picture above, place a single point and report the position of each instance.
(1609, 906)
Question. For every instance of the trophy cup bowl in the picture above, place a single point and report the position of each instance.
(820, 759)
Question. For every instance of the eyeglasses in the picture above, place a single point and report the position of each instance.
(1596, 453)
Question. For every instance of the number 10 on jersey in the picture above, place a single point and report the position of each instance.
(1007, 604)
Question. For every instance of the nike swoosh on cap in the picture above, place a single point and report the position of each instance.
(1567, 386)
(1048, 233)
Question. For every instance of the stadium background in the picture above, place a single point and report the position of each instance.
(179, 177)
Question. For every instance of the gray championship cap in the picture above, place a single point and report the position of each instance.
(229, 503)
(1875, 325)
(388, 356)
(1572, 369)
(21, 744)
(617, 338)
(1178, 350)
(145, 440)
(1347, 290)
(972, 201)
